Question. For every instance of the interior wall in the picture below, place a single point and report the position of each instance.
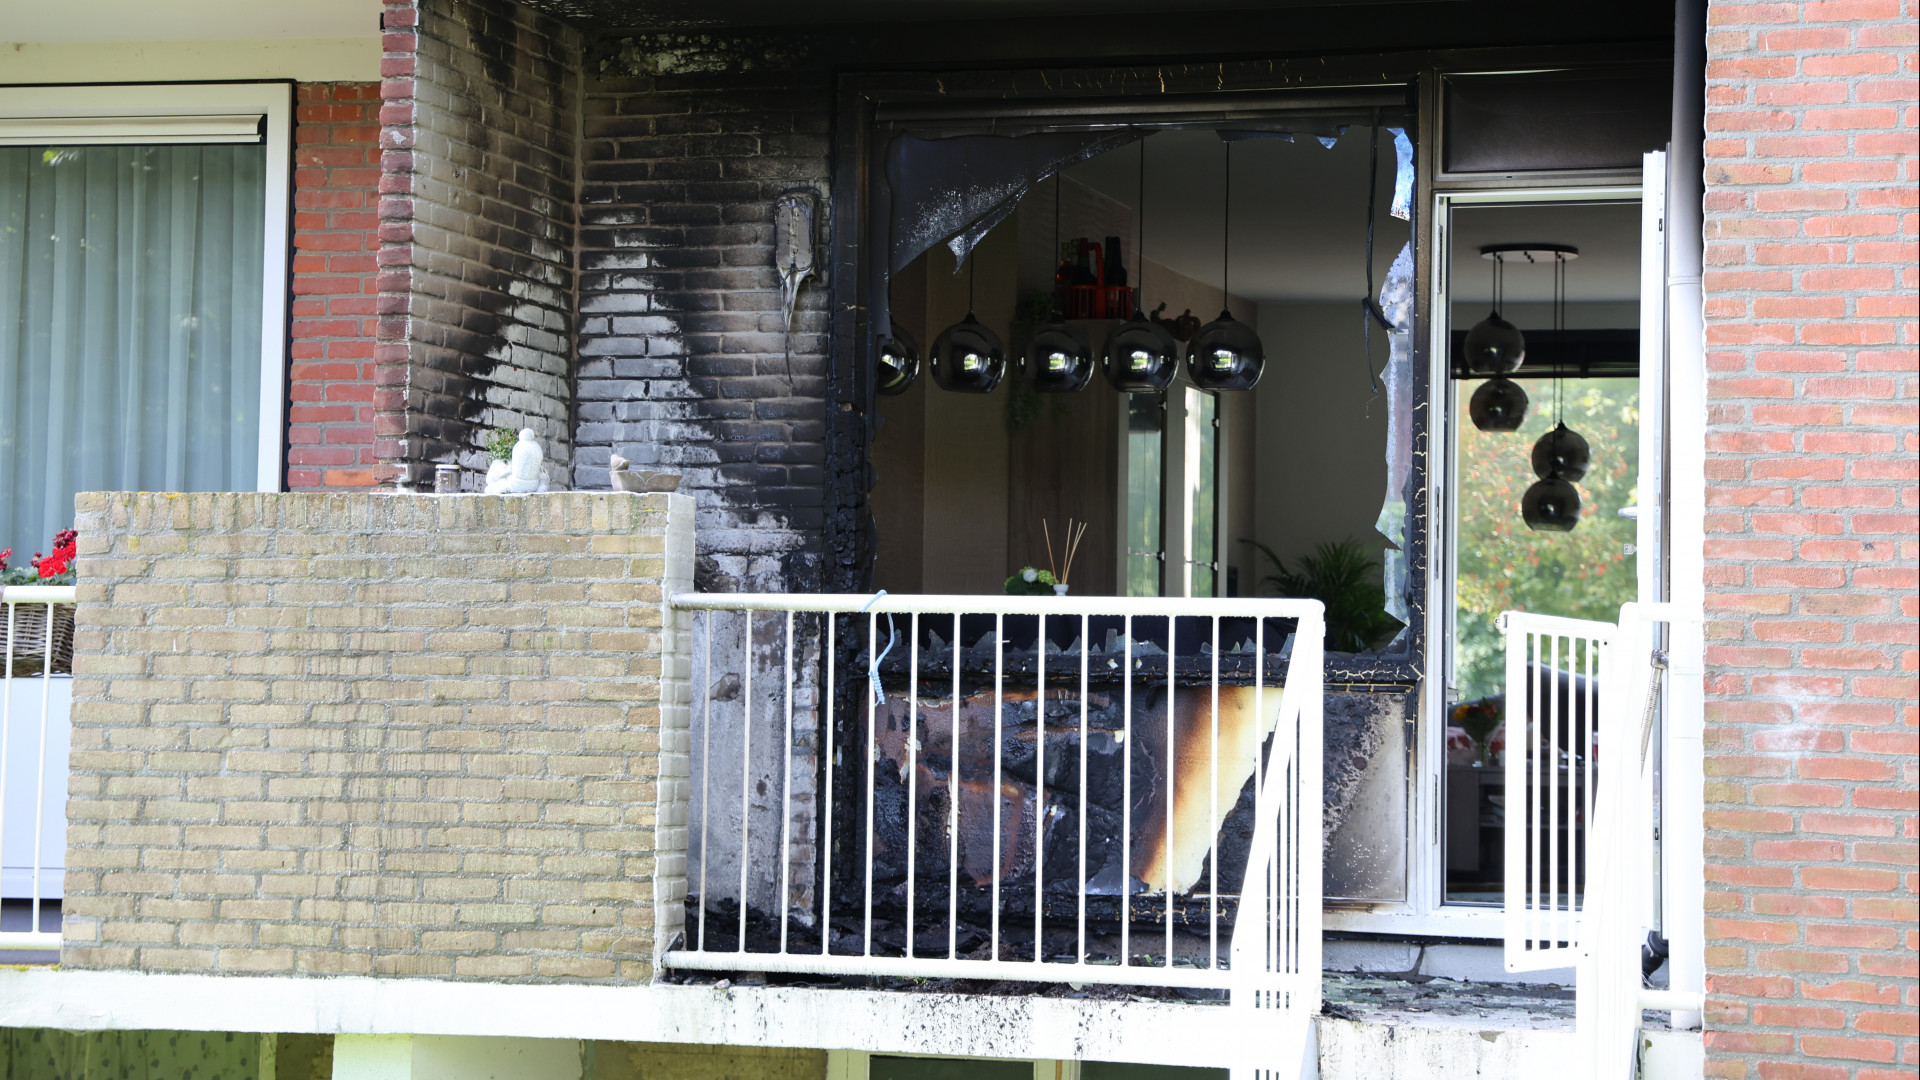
(899, 452)
(964, 519)
(1320, 435)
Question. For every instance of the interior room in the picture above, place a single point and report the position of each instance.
(971, 487)
(1565, 275)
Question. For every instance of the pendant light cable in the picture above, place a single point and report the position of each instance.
(1059, 262)
(969, 284)
(1559, 334)
(1140, 233)
(1226, 222)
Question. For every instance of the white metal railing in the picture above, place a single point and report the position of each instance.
(34, 739)
(1582, 697)
(1555, 668)
(1058, 789)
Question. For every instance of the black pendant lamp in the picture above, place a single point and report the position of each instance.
(1498, 405)
(899, 362)
(1551, 506)
(1561, 456)
(1141, 356)
(1494, 345)
(1225, 354)
(967, 357)
(1056, 360)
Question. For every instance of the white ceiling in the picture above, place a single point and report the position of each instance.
(1299, 221)
(1607, 234)
(183, 20)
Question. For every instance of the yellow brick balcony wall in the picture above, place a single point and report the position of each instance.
(379, 734)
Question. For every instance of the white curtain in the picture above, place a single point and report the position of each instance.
(130, 292)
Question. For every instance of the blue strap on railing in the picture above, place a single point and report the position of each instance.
(873, 666)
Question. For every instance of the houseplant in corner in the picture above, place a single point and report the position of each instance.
(24, 637)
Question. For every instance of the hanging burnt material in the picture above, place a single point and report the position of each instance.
(793, 232)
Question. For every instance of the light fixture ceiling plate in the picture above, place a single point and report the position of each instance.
(1531, 253)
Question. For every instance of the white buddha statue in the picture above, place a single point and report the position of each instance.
(525, 473)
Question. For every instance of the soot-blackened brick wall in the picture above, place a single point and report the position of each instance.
(1811, 541)
(685, 363)
(336, 179)
(477, 229)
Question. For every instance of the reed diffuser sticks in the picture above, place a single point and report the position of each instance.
(1075, 533)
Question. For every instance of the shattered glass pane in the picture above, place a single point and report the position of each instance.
(1397, 302)
(1402, 175)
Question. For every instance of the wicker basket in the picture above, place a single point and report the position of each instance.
(26, 652)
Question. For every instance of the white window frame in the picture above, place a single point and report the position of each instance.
(124, 114)
(1426, 912)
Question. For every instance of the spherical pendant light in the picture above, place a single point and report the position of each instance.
(1551, 506)
(1499, 405)
(1561, 454)
(1495, 346)
(968, 358)
(1056, 360)
(1225, 355)
(1140, 357)
(899, 362)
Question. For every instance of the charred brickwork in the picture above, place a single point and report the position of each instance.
(477, 234)
(686, 362)
(336, 181)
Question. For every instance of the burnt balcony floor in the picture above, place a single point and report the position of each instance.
(1426, 1001)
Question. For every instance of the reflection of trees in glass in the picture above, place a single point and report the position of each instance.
(1503, 565)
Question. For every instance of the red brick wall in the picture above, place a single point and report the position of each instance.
(336, 177)
(1811, 540)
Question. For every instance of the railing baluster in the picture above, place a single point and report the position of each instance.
(953, 805)
(1039, 787)
(913, 773)
(1553, 793)
(746, 774)
(1173, 774)
(1086, 801)
(999, 656)
(1213, 805)
(706, 775)
(1126, 792)
(826, 844)
(786, 800)
(1530, 722)
(875, 698)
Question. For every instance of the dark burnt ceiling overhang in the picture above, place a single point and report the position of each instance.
(922, 33)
